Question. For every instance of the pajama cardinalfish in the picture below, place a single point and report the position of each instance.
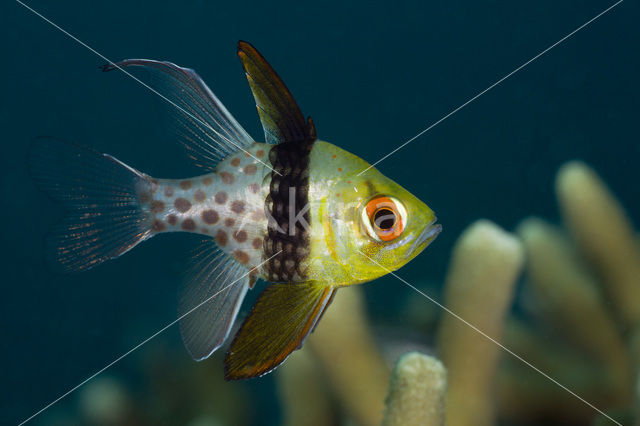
(294, 211)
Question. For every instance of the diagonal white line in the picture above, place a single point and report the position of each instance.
(377, 162)
(138, 80)
(476, 329)
(115, 361)
(493, 85)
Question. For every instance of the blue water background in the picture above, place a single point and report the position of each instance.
(371, 74)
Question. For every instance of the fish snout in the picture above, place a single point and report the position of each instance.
(428, 234)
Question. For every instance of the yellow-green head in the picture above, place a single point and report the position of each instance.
(363, 224)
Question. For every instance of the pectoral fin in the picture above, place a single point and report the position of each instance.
(283, 316)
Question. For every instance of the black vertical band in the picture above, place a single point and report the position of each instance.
(290, 162)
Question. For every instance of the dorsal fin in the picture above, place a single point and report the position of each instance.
(281, 117)
(312, 129)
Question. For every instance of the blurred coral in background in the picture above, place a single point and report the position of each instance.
(576, 317)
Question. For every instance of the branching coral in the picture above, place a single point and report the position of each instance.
(584, 292)
(573, 304)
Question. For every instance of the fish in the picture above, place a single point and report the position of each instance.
(300, 213)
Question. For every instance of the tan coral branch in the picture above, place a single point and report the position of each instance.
(416, 392)
(302, 390)
(479, 288)
(604, 234)
(570, 298)
(350, 359)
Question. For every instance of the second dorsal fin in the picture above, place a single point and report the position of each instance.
(202, 123)
(281, 117)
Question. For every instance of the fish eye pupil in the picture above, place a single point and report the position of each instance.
(384, 219)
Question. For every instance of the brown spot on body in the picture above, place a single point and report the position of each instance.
(221, 197)
(237, 206)
(257, 243)
(240, 236)
(259, 153)
(250, 169)
(221, 238)
(257, 215)
(210, 216)
(252, 279)
(172, 219)
(145, 197)
(158, 226)
(199, 196)
(188, 225)
(235, 161)
(229, 222)
(182, 204)
(157, 206)
(334, 156)
(241, 256)
(168, 191)
(185, 184)
(227, 177)
(254, 187)
(339, 169)
(207, 181)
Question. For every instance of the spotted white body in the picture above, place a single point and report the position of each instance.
(227, 204)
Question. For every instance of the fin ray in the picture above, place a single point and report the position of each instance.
(210, 300)
(284, 315)
(105, 218)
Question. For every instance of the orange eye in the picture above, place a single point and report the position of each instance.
(384, 218)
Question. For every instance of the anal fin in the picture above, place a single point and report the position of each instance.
(283, 316)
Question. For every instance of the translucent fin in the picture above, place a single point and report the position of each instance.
(281, 319)
(204, 125)
(210, 301)
(281, 118)
(101, 194)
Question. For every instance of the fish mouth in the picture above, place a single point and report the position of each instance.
(428, 234)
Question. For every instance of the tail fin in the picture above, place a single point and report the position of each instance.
(103, 198)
